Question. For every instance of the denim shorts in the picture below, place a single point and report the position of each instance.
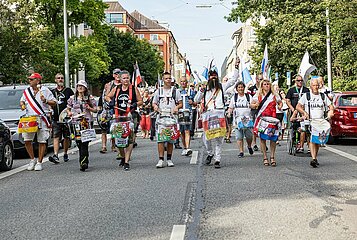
(247, 132)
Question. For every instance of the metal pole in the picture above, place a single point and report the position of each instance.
(66, 62)
(328, 42)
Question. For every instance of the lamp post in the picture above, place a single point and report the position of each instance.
(328, 43)
(66, 61)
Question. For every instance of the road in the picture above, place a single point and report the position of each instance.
(242, 200)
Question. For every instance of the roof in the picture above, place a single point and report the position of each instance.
(114, 6)
(144, 23)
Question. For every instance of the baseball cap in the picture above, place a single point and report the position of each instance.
(82, 83)
(116, 71)
(35, 76)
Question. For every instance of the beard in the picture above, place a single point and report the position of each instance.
(213, 83)
(61, 84)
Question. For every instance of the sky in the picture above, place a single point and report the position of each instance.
(189, 24)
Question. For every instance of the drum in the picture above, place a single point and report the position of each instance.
(320, 131)
(28, 124)
(104, 119)
(167, 129)
(184, 117)
(269, 128)
(120, 130)
(81, 130)
(214, 124)
(244, 122)
(63, 116)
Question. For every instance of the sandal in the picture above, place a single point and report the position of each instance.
(104, 150)
(272, 162)
(265, 162)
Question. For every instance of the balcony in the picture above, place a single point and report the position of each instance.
(156, 42)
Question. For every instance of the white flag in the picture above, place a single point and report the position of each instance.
(305, 67)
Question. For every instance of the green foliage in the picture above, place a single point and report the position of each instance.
(125, 49)
(296, 26)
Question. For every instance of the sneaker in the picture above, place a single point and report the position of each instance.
(38, 166)
(240, 155)
(65, 157)
(188, 152)
(208, 160)
(177, 146)
(250, 150)
(314, 163)
(170, 163)
(122, 161)
(160, 164)
(255, 148)
(217, 164)
(31, 165)
(83, 167)
(184, 152)
(54, 159)
(126, 167)
(135, 145)
(103, 150)
(317, 163)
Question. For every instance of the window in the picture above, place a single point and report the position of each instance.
(114, 17)
(154, 37)
(141, 36)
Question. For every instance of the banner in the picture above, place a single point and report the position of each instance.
(214, 124)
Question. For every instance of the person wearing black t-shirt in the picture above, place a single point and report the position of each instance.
(60, 129)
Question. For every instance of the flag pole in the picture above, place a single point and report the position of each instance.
(328, 43)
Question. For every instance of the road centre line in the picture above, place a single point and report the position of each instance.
(194, 157)
(341, 153)
(178, 232)
(24, 167)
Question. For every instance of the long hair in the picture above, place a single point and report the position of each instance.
(260, 90)
(86, 96)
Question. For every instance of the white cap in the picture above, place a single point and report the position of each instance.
(82, 83)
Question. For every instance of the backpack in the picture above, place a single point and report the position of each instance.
(308, 97)
(246, 96)
(173, 95)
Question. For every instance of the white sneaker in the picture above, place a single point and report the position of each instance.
(38, 167)
(170, 163)
(31, 165)
(160, 164)
(188, 152)
(184, 152)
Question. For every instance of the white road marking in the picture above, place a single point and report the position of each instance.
(24, 167)
(194, 157)
(178, 232)
(341, 153)
(198, 135)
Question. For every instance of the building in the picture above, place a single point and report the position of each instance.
(144, 28)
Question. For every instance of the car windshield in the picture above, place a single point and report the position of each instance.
(10, 98)
(348, 100)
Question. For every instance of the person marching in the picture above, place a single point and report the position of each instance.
(109, 109)
(265, 102)
(80, 107)
(252, 91)
(193, 93)
(36, 100)
(59, 128)
(312, 105)
(185, 116)
(240, 107)
(145, 122)
(212, 97)
(127, 98)
(167, 99)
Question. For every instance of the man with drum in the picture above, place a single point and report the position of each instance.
(313, 105)
(108, 108)
(166, 101)
(185, 116)
(126, 99)
(292, 99)
(240, 108)
(36, 101)
(59, 128)
(212, 98)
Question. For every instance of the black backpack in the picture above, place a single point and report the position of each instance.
(236, 97)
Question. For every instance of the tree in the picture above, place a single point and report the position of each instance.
(125, 49)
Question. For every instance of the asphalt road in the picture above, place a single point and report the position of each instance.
(242, 200)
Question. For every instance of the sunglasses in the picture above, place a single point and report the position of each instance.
(266, 84)
(299, 80)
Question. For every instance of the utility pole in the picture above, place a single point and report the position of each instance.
(66, 61)
(328, 42)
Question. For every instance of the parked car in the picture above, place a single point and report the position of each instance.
(344, 121)
(10, 113)
(6, 147)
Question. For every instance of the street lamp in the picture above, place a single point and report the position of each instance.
(66, 61)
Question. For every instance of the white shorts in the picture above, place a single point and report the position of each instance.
(42, 135)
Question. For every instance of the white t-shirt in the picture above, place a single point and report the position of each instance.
(42, 91)
(241, 106)
(317, 107)
(166, 101)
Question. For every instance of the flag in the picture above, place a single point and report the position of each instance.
(138, 78)
(305, 67)
(205, 73)
(244, 66)
(188, 70)
(265, 63)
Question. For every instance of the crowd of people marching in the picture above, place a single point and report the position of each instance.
(170, 113)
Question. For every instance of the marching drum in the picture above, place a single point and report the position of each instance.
(320, 131)
(244, 122)
(121, 129)
(269, 128)
(184, 117)
(81, 129)
(28, 124)
(214, 123)
(103, 119)
(167, 129)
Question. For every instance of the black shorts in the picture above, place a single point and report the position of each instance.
(280, 116)
(230, 120)
(60, 130)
